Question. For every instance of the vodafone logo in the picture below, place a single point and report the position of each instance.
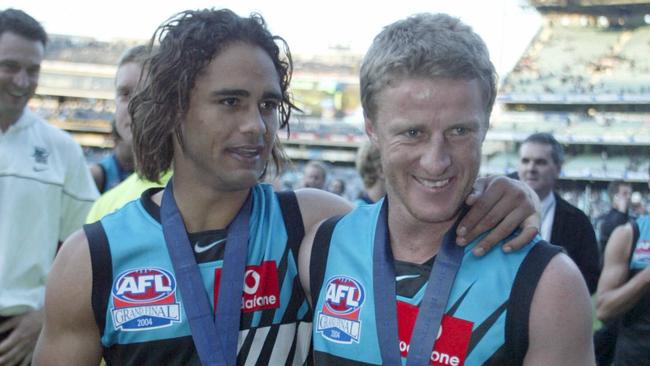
(251, 282)
(452, 339)
(261, 287)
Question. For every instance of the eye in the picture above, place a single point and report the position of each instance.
(459, 131)
(124, 94)
(9, 66)
(269, 105)
(413, 132)
(230, 102)
(33, 71)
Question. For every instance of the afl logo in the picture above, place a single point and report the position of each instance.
(144, 285)
(343, 295)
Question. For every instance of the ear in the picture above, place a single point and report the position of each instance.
(370, 129)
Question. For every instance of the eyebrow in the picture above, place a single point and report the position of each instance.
(243, 93)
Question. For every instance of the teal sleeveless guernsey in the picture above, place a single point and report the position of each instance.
(486, 316)
(138, 306)
(633, 342)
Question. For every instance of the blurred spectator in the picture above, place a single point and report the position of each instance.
(619, 195)
(623, 291)
(314, 175)
(128, 75)
(637, 205)
(116, 167)
(540, 163)
(45, 188)
(369, 167)
(337, 186)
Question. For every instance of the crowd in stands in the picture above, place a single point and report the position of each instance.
(583, 60)
(73, 109)
(85, 49)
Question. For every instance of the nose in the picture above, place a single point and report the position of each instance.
(21, 79)
(254, 123)
(528, 166)
(435, 158)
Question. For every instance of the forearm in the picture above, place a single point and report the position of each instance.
(612, 303)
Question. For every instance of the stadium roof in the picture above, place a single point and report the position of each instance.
(604, 7)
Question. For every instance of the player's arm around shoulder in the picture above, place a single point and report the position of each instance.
(560, 325)
(316, 206)
(70, 335)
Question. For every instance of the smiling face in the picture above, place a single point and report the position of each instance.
(232, 120)
(429, 133)
(20, 64)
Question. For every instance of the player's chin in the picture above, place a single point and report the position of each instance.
(440, 213)
(239, 180)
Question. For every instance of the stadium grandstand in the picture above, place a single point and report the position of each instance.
(585, 77)
(76, 89)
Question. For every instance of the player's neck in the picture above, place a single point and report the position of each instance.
(415, 241)
(125, 156)
(204, 208)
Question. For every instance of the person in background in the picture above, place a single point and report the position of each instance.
(117, 166)
(540, 161)
(126, 82)
(619, 193)
(45, 188)
(314, 175)
(624, 291)
(637, 205)
(337, 186)
(368, 166)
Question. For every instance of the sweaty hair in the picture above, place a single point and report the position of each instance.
(19, 22)
(188, 41)
(543, 138)
(368, 164)
(426, 46)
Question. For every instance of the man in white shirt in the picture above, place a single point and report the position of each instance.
(540, 162)
(45, 188)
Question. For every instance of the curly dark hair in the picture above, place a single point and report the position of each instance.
(185, 45)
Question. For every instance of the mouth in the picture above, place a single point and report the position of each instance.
(246, 152)
(435, 184)
(18, 93)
